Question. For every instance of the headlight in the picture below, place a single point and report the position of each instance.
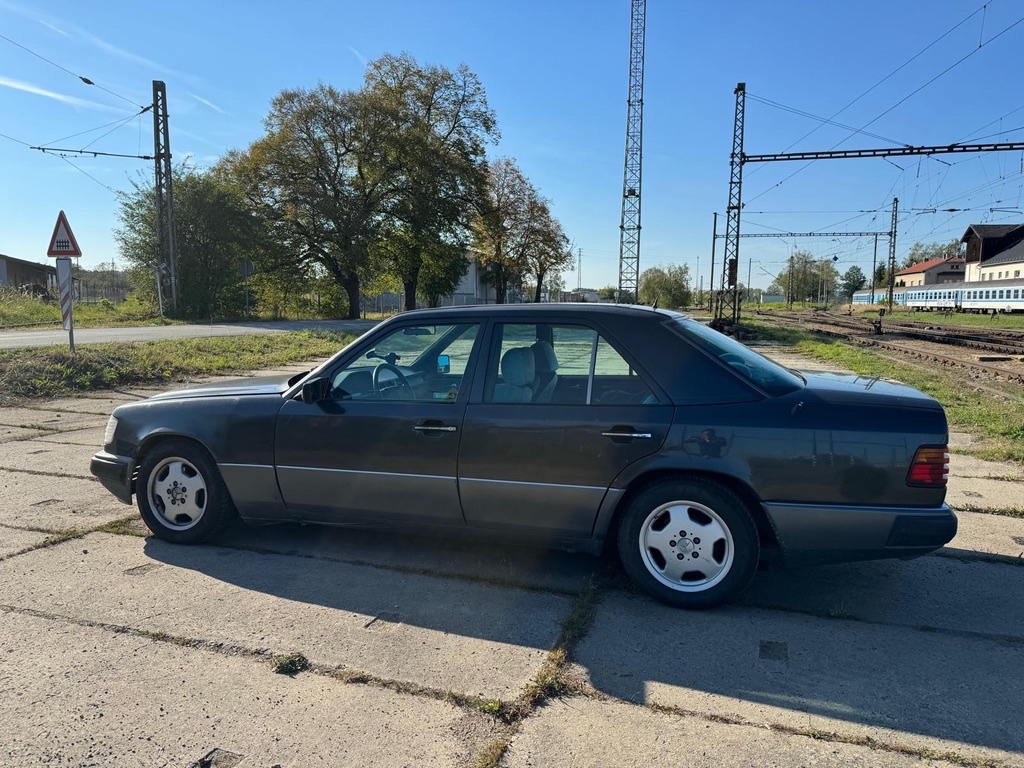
(108, 433)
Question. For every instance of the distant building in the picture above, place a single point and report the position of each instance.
(932, 272)
(27, 276)
(994, 251)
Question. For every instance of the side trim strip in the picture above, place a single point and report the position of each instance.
(539, 485)
(367, 472)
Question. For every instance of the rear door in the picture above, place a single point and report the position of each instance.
(546, 466)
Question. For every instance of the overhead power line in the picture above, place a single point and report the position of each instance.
(84, 79)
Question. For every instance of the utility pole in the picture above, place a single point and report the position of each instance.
(711, 282)
(629, 226)
(164, 193)
(874, 258)
(892, 251)
(579, 269)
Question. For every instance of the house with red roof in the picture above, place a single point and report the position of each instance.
(932, 272)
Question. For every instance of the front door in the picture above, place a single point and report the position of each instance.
(384, 443)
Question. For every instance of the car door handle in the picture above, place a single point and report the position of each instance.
(624, 433)
(435, 428)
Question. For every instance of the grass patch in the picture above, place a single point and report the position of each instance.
(491, 755)
(18, 311)
(290, 664)
(1000, 421)
(55, 371)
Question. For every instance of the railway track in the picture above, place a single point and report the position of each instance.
(861, 333)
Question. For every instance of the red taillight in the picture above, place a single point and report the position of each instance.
(930, 467)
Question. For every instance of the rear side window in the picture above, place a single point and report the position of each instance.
(765, 374)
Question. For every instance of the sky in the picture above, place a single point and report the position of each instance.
(917, 72)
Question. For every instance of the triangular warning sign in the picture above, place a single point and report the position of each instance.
(63, 242)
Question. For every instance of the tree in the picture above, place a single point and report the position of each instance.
(500, 225)
(774, 289)
(548, 249)
(666, 287)
(922, 252)
(317, 178)
(213, 234)
(433, 124)
(853, 280)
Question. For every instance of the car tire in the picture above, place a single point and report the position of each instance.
(181, 494)
(694, 521)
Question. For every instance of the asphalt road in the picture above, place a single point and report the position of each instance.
(41, 338)
(123, 650)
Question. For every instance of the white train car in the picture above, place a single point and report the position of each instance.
(993, 296)
(943, 297)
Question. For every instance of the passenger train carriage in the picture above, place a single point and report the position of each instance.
(987, 297)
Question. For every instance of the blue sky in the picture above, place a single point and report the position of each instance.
(556, 75)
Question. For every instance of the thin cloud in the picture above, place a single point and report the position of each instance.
(209, 104)
(362, 59)
(18, 85)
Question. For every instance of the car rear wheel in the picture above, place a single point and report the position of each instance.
(181, 495)
(689, 542)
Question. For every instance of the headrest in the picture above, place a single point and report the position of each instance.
(517, 367)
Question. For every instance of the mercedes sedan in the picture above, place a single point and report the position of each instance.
(578, 426)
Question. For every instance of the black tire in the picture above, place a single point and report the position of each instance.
(719, 542)
(181, 494)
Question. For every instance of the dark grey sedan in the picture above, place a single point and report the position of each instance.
(573, 426)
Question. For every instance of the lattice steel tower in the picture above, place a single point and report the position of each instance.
(164, 193)
(728, 306)
(629, 227)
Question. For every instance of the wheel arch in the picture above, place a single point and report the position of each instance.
(151, 441)
(768, 537)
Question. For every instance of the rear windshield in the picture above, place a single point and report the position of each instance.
(765, 374)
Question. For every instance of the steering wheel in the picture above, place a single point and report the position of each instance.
(402, 381)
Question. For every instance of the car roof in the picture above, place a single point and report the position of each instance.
(567, 309)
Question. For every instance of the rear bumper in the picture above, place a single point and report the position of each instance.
(811, 534)
(114, 474)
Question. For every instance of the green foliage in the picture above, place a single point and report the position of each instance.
(515, 234)
(214, 232)
(17, 309)
(922, 252)
(55, 371)
(291, 664)
(669, 288)
(853, 280)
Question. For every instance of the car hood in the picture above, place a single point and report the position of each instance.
(841, 388)
(257, 385)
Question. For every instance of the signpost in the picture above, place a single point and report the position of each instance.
(63, 245)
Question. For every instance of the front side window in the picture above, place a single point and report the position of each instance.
(413, 363)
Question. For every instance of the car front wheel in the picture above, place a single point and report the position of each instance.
(181, 495)
(689, 542)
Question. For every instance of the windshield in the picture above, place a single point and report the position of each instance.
(765, 374)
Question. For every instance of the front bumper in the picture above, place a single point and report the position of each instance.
(812, 534)
(114, 474)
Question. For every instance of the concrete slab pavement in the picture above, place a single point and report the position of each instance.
(35, 456)
(928, 690)
(16, 539)
(45, 419)
(441, 633)
(967, 598)
(584, 733)
(531, 567)
(80, 696)
(52, 503)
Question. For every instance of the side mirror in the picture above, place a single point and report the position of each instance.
(314, 391)
(444, 364)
